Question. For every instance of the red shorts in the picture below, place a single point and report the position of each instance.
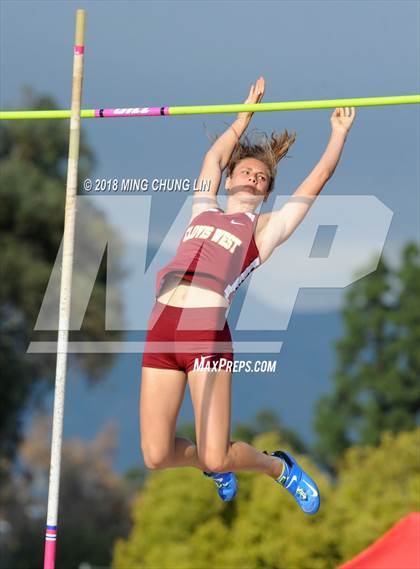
(177, 338)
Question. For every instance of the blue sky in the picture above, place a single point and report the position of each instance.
(159, 53)
(181, 53)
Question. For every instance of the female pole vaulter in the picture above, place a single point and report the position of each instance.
(188, 322)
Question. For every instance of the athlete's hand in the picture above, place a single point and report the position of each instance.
(342, 119)
(256, 93)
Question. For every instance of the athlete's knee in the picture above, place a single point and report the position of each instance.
(156, 457)
(213, 460)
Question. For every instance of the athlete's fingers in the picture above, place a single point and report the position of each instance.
(251, 91)
(261, 86)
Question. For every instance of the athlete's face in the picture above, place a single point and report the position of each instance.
(250, 177)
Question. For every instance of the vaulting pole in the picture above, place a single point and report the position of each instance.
(65, 294)
(214, 109)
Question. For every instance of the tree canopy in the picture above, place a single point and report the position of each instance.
(376, 384)
(180, 522)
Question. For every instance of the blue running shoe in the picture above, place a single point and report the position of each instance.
(298, 483)
(226, 484)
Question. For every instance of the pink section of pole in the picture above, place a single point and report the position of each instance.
(50, 547)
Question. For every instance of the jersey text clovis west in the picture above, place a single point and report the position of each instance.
(219, 236)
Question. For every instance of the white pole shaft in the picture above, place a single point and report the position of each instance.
(65, 293)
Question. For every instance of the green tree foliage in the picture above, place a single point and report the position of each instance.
(377, 486)
(180, 522)
(376, 384)
(33, 161)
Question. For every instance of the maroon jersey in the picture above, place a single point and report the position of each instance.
(218, 251)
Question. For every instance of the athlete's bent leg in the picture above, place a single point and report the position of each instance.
(211, 399)
(161, 395)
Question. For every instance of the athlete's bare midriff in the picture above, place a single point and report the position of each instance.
(185, 294)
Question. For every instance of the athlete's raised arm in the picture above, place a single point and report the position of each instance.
(277, 226)
(217, 158)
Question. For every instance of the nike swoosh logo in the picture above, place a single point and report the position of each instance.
(205, 357)
(236, 222)
(294, 477)
(220, 483)
(311, 487)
